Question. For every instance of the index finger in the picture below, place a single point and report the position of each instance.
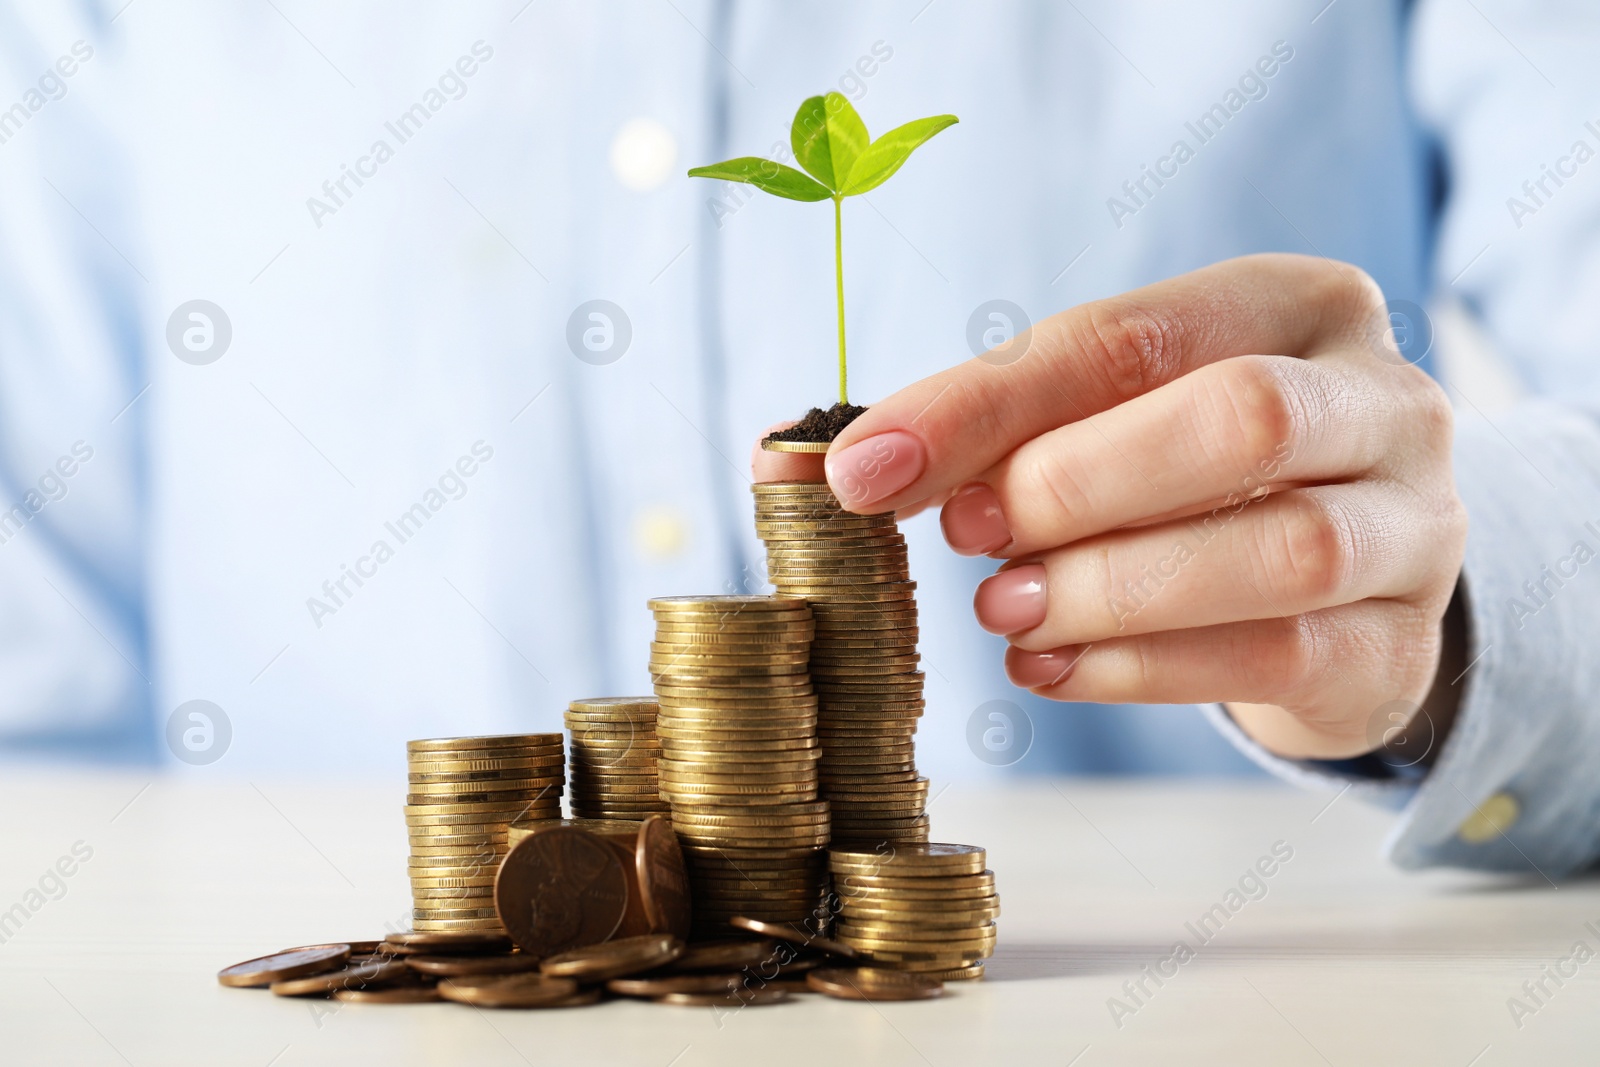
(946, 429)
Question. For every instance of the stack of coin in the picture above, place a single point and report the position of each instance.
(926, 908)
(738, 731)
(464, 793)
(613, 758)
(853, 571)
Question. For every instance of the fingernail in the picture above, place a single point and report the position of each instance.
(1012, 600)
(973, 522)
(872, 470)
(1037, 670)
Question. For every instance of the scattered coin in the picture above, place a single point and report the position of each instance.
(676, 983)
(357, 977)
(802, 937)
(613, 959)
(516, 991)
(281, 966)
(734, 954)
(398, 994)
(739, 998)
(874, 983)
(453, 966)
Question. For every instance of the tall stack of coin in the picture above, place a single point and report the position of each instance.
(614, 754)
(927, 908)
(853, 571)
(464, 793)
(738, 731)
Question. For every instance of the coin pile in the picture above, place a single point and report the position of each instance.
(924, 908)
(613, 758)
(739, 754)
(464, 793)
(486, 971)
(854, 572)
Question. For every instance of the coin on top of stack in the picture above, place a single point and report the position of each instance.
(463, 794)
(613, 758)
(854, 572)
(739, 754)
(928, 908)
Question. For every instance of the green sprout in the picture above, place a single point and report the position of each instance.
(831, 142)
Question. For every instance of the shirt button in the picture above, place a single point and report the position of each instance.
(642, 154)
(659, 534)
(1494, 817)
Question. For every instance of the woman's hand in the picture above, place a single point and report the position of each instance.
(1228, 486)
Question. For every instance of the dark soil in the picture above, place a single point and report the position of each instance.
(819, 425)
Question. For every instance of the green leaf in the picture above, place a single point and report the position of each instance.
(827, 136)
(885, 155)
(766, 175)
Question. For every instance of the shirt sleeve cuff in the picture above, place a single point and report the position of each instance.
(1527, 726)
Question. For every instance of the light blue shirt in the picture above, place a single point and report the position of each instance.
(400, 217)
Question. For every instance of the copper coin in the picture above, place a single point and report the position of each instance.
(560, 889)
(517, 991)
(677, 983)
(614, 959)
(399, 994)
(874, 983)
(358, 977)
(455, 944)
(280, 966)
(739, 998)
(452, 966)
(357, 948)
(794, 936)
(728, 955)
(663, 880)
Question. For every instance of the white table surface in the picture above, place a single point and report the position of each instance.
(1343, 961)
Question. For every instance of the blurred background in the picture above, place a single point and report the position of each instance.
(365, 367)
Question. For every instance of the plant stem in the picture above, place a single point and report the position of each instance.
(838, 275)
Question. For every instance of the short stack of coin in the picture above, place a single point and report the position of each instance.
(927, 908)
(853, 571)
(614, 754)
(464, 793)
(738, 732)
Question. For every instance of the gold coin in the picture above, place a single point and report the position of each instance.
(754, 731)
(690, 712)
(751, 640)
(755, 793)
(490, 741)
(677, 748)
(934, 914)
(719, 603)
(737, 773)
(459, 797)
(477, 781)
(804, 764)
(430, 810)
(941, 859)
(844, 781)
(457, 926)
(970, 972)
(477, 766)
(485, 881)
(961, 884)
(607, 704)
(913, 928)
(688, 821)
(750, 674)
(913, 948)
(466, 841)
(850, 813)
